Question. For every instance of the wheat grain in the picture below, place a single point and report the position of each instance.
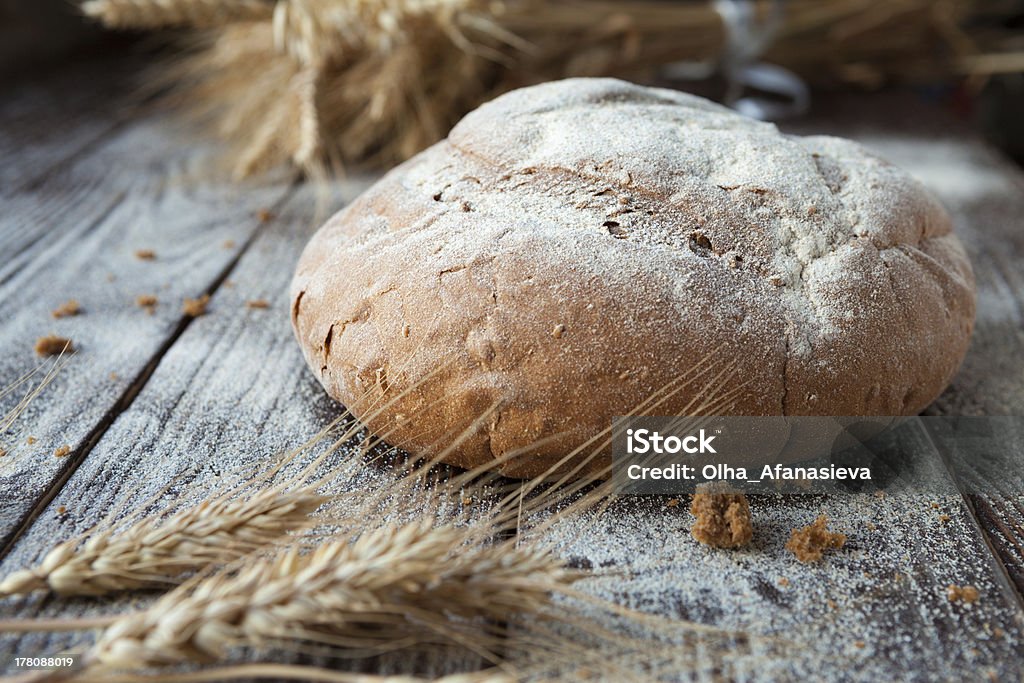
(160, 13)
(388, 587)
(154, 553)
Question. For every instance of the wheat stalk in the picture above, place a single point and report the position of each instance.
(155, 553)
(390, 586)
(160, 13)
(8, 418)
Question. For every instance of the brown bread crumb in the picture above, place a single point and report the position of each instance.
(944, 518)
(264, 215)
(558, 331)
(811, 542)
(964, 594)
(258, 303)
(3, 452)
(195, 307)
(52, 345)
(61, 509)
(31, 441)
(723, 517)
(66, 309)
(146, 300)
(229, 244)
(145, 254)
(674, 502)
(62, 451)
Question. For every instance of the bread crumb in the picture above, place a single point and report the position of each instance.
(264, 215)
(405, 330)
(229, 244)
(859, 644)
(195, 307)
(62, 451)
(944, 518)
(558, 331)
(935, 506)
(723, 517)
(871, 526)
(145, 254)
(879, 494)
(832, 604)
(3, 451)
(52, 345)
(113, 377)
(783, 582)
(258, 303)
(811, 542)
(148, 302)
(68, 308)
(811, 210)
(61, 509)
(467, 501)
(31, 441)
(674, 502)
(964, 594)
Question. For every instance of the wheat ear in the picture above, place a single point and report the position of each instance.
(161, 13)
(153, 553)
(392, 586)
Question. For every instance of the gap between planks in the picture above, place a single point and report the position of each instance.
(132, 391)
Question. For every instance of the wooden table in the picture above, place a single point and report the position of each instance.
(154, 402)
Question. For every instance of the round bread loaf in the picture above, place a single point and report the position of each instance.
(573, 248)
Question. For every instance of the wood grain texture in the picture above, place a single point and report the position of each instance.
(48, 120)
(194, 400)
(231, 394)
(73, 235)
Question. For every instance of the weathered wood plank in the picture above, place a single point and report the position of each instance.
(235, 377)
(233, 391)
(56, 116)
(984, 193)
(73, 236)
(875, 610)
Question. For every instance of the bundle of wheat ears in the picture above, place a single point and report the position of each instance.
(334, 83)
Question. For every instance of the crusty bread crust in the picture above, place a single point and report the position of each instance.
(576, 246)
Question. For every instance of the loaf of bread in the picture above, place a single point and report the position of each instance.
(575, 248)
